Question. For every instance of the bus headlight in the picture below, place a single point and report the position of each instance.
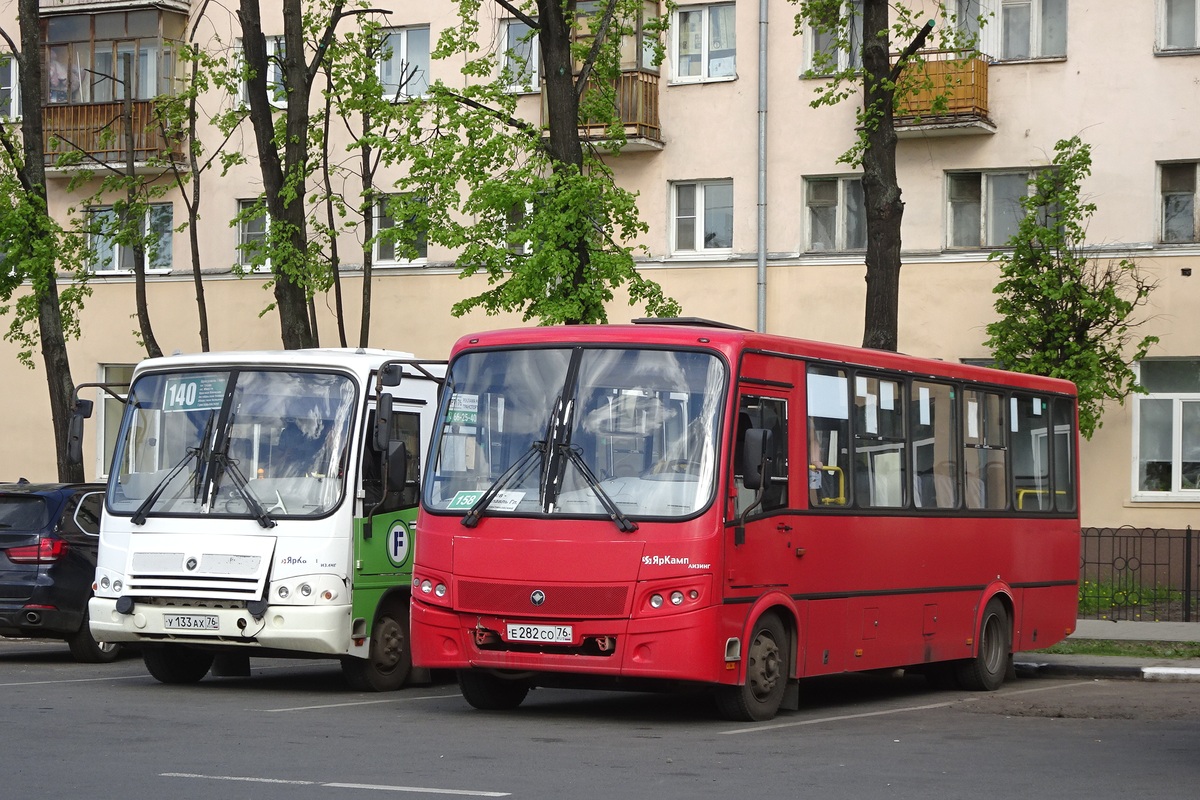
(656, 601)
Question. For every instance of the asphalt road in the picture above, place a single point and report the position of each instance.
(293, 730)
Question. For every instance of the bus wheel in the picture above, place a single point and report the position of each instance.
(489, 692)
(766, 675)
(389, 660)
(986, 671)
(174, 663)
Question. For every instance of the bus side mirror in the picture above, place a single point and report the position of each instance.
(383, 423)
(83, 410)
(391, 373)
(756, 461)
(397, 471)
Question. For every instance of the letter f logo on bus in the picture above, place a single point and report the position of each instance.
(397, 543)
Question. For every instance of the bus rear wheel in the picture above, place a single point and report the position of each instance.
(490, 692)
(760, 696)
(389, 659)
(985, 672)
(175, 663)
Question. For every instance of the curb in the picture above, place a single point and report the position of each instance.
(1035, 669)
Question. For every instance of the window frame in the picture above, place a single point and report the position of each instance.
(402, 62)
(1163, 31)
(382, 217)
(533, 66)
(846, 59)
(842, 214)
(1035, 32)
(987, 214)
(109, 412)
(116, 251)
(697, 247)
(705, 75)
(243, 205)
(1162, 205)
(1176, 492)
(10, 72)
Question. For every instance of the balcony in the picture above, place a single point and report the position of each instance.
(951, 98)
(99, 131)
(84, 6)
(637, 106)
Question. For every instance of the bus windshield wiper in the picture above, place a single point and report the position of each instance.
(514, 474)
(139, 516)
(574, 454)
(222, 465)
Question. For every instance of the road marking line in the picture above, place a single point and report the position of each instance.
(361, 703)
(336, 785)
(886, 712)
(78, 680)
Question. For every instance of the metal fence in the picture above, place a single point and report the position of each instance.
(1143, 574)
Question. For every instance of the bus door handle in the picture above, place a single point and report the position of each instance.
(783, 527)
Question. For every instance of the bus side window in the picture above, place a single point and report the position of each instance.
(932, 426)
(828, 438)
(767, 413)
(985, 459)
(1030, 453)
(1064, 455)
(880, 463)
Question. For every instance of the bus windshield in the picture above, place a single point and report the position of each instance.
(577, 432)
(257, 443)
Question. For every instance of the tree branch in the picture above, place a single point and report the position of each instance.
(519, 14)
(916, 44)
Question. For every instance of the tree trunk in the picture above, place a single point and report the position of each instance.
(53, 340)
(288, 264)
(562, 110)
(881, 191)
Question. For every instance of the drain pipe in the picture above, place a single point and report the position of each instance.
(761, 325)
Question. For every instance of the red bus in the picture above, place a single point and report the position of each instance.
(653, 505)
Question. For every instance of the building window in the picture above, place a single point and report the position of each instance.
(113, 251)
(10, 87)
(1179, 223)
(1167, 430)
(703, 216)
(516, 226)
(825, 55)
(837, 218)
(85, 54)
(985, 207)
(276, 86)
(1178, 25)
(705, 43)
(520, 66)
(1033, 29)
(109, 410)
(404, 62)
(403, 242)
(252, 227)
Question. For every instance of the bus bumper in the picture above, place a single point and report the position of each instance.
(681, 647)
(323, 630)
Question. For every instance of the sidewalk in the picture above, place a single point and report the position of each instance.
(1035, 663)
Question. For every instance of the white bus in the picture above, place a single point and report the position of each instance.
(262, 504)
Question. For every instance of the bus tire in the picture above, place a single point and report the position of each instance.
(986, 671)
(86, 650)
(176, 663)
(490, 692)
(759, 697)
(389, 658)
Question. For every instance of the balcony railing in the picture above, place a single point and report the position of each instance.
(98, 130)
(637, 108)
(951, 95)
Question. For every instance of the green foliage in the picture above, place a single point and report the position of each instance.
(835, 29)
(1063, 312)
(554, 239)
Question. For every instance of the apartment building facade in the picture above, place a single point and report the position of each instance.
(751, 218)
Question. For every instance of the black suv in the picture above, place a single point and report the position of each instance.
(48, 538)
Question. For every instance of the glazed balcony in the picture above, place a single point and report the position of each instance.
(637, 108)
(98, 130)
(951, 98)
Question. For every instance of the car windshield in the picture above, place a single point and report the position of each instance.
(563, 431)
(233, 442)
(23, 513)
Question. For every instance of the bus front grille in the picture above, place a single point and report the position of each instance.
(556, 601)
